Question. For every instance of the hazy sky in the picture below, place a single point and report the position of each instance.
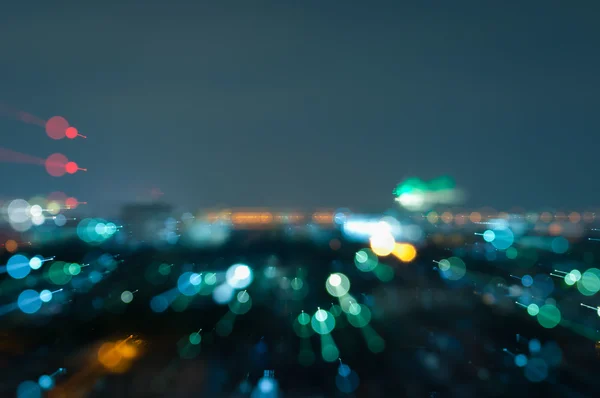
(306, 103)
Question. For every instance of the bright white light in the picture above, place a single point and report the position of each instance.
(36, 210)
(321, 315)
(411, 201)
(335, 280)
(100, 228)
(222, 294)
(242, 272)
(38, 220)
(18, 211)
(45, 295)
(361, 228)
(35, 262)
(266, 385)
(382, 243)
(239, 276)
(195, 279)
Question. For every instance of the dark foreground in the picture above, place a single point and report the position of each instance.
(441, 338)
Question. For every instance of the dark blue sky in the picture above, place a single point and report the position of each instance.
(306, 103)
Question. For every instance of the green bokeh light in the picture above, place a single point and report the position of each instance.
(549, 316)
(57, 274)
(323, 322)
(365, 260)
(304, 318)
(533, 309)
(337, 284)
(195, 338)
(359, 315)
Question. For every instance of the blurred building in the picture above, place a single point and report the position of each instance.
(146, 221)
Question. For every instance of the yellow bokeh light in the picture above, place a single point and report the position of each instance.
(53, 208)
(405, 252)
(383, 244)
(432, 217)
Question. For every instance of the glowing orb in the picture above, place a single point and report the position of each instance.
(127, 297)
(239, 276)
(29, 301)
(55, 164)
(18, 266)
(45, 295)
(323, 322)
(405, 252)
(382, 244)
(71, 203)
(35, 262)
(71, 167)
(71, 132)
(337, 285)
(56, 127)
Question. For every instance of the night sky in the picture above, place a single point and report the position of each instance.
(306, 103)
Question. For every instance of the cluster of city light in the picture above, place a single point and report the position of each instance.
(95, 230)
(23, 214)
(19, 266)
(225, 288)
(503, 239)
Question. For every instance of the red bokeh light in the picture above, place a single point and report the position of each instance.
(56, 127)
(71, 167)
(71, 203)
(56, 164)
(71, 133)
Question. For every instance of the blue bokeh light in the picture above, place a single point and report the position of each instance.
(46, 382)
(185, 285)
(45, 295)
(29, 301)
(29, 389)
(535, 346)
(159, 304)
(489, 235)
(521, 360)
(18, 266)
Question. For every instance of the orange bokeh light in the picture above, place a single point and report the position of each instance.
(109, 355)
(11, 246)
(574, 217)
(126, 349)
(405, 252)
(555, 229)
(475, 217)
